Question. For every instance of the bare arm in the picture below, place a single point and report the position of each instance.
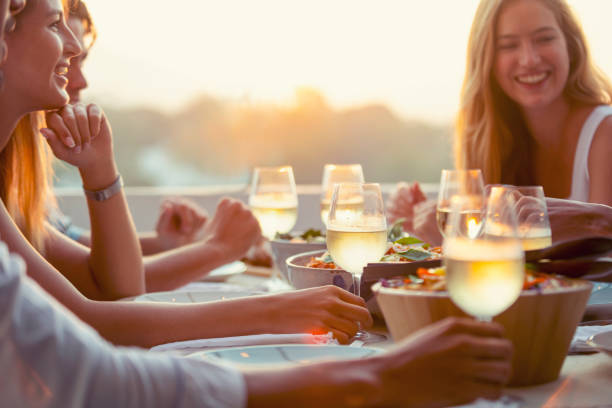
(82, 137)
(600, 166)
(318, 310)
(575, 219)
(179, 223)
(226, 237)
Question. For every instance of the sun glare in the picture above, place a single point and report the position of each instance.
(407, 54)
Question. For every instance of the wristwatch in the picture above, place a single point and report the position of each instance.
(105, 193)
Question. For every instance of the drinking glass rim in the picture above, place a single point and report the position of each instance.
(342, 165)
(352, 183)
(273, 168)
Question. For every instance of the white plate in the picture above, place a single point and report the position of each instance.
(285, 354)
(602, 342)
(193, 296)
(223, 272)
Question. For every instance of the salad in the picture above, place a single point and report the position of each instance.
(401, 247)
(434, 280)
(310, 236)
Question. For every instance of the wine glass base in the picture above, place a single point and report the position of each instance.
(368, 338)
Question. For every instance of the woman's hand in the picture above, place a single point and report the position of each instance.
(425, 224)
(232, 230)
(80, 135)
(180, 220)
(451, 362)
(402, 201)
(318, 311)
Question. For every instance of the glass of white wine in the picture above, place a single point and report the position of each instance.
(273, 199)
(532, 213)
(337, 173)
(357, 233)
(485, 275)
(468, 184)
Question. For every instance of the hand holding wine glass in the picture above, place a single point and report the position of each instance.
(485, 275)
(357, 232)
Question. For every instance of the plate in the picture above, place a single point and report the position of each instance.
(223, 272)
(601, 294)
(193, 296)
(602, 342)
(289, 354)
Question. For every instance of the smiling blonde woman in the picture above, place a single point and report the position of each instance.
(534, 107)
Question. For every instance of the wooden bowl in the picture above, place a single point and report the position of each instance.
(539, 324)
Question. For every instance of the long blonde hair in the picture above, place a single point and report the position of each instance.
(25, 177)
(490, 133)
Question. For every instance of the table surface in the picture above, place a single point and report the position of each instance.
(585, 380)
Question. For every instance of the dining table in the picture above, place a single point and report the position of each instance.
(585, 380)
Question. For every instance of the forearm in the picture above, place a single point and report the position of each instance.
(171, 269)
(147, 325)
(150, 243)
(115, 258)
(333, 384)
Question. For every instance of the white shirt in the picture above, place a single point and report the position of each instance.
(49, 358)
(580, 175)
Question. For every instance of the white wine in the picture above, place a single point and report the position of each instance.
(470, 222)
(275, 213)
(483, 278)
(324, 211)
(346, 210)
(352, 248)
(275, 219)
(536, 238)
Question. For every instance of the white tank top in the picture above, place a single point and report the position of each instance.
(580, 175)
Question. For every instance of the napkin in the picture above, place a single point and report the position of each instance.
(191, 346)
(579, 344)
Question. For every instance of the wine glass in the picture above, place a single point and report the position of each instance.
(357, 233)
(485, 275)
(337, 173)
(273, 199)
(470, 185)
(533, 223)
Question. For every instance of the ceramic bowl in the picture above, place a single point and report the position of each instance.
(283, 249)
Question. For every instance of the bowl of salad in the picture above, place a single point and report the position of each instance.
(540, 324)
(285, 245)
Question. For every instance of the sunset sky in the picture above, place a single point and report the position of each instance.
(408, 54)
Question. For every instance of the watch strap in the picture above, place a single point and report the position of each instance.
(105, 193)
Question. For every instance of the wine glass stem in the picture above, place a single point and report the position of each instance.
(357, 290)
(486, 319)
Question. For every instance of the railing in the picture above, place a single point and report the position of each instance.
(144, 202)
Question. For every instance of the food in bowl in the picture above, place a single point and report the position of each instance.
(434, 280)
(302, 276)
(540, 324)
(406, 249)
(310, 236)
(286, 245)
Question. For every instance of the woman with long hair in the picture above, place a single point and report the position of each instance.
(535, 109)
(41, 46)
(534, 106)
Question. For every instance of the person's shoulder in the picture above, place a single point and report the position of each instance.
(601, 146)
(603, 134)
